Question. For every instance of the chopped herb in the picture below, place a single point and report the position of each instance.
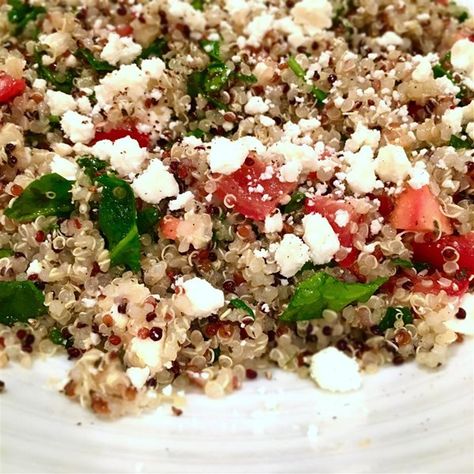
(198, 4)
(212, 48)
(54, 121)
(459, 12)
(147, 219)
(20, 301)
(240, 304)
(247, 78)
(49, 195)
(157, 47)
(96, 64)
(459, 144)
(418, 266)
(197, 132)
(21, 14)
(217, 353)
(319, 95)
(6, 253)
(394, 313)
(299, 72)
(118, 221)
(295, 204)
(92, 166)
(322, 291)
(62, 81)
(56, 337)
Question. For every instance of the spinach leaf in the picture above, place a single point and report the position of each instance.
(118, 221)
(21, 14)
(394, 313)
(247, 78)
(197, 132)
(212, 48)
(92, 166)
(458, 143)
(158, 48)
(322, 291)
(56, 337)
(6, 253)
(96, 64)
(49, 195)
(62, 81)
(20, 301)
(240, 304)
(418, 266)
(296, 203)
(147, 219)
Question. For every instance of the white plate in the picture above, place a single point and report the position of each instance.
(405, 419)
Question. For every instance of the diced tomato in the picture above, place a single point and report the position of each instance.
(438, 252)
(328, 207)
(436, 282)
(169, 227)
(10, 87)
(255, 197)
(386, 203)
(419, 210)
(143, 139)
(124, 30)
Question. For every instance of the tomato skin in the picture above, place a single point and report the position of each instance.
(327, 207)
(124, 30)
(432, 252)
(10, 87)
(253, 203)
(169, 227)
(457, 287)
(143, 139)
(417, 210)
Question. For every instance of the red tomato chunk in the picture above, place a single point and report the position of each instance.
(10, 87)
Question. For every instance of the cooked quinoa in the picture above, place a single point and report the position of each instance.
(195, 193)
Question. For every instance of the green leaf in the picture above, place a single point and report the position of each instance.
(418, 266)
(56, 337)
(458, 11)
(394, 313)
(296, 203)
(296, 67)
(62, 81)
(147, 219)
(460, 144)
(118, 221)
(215, 78)
(247, 78)
(20, 301)
(319, 95)
(49, 195)
(92, 166)
(6, 253)
(157, 47)
(240, 304)
(198, 4)
(212, 49)
(197, 132)
(322, 291)
(98, 65)
(21, 14)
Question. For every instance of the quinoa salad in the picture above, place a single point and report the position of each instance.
(194, 193)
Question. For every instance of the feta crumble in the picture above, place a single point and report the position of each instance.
(313, 15)
(291, 254)
(78, 128)
(181, 201)
(462, 59)
(200, 298)
(273, 223)
(65, 168)
(321, 238)
(466, 325)
(256, 105)
(361, 175)
(392, 164)
(120, 49)
(59, 102)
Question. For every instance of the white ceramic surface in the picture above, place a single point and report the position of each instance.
(403, 420)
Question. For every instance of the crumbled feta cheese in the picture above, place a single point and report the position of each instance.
(419, 176)
(200, 298)
(126, 155)
(78, 128)
(423, 71)
(290, 172)
(181, 201)
(40, 84)
(273, 223)
(341, 218)
(291, 254)
(376, 226)
(389, 38)
(185, 13)
(335, 371)
(306, 155)
(392, 163)
(266, 121)
(84, 105)
(65, 168)
(312, 15)
(252, 144)
(258, 28)
(34, 268)
(363, 136)
(59, 102)
(256, 105)
(58, 43)
(226, 156)
(195, 230)
(446, 86)
(361, 175)
(470, 130)
(155, 183)
(138, 376)
(153, 67)
(146, 352)
(120, 49)
(466, 325)
(453, 118)
(321, 238)
(462, 59)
